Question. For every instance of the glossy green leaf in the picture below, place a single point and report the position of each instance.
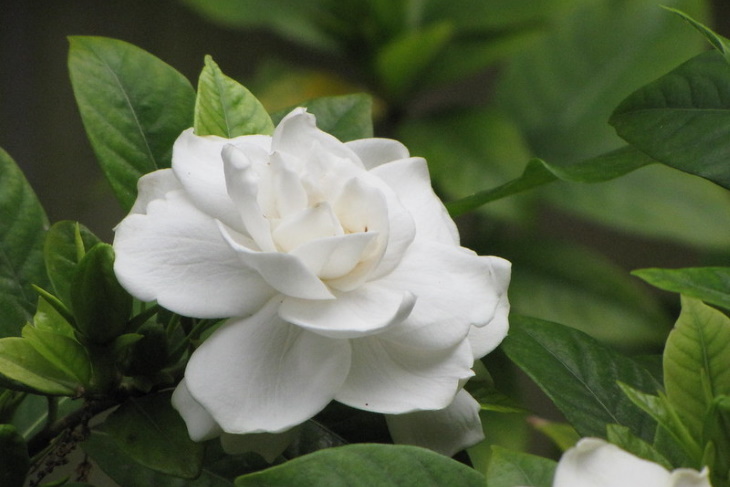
(697, 363)
(65, 353)
(115, 462)
(710, 284)
(683, 118)
(22, 363)
(23, 224)
(717, 434)
(580, 375)
(347, 117)
(14, 460)
(719, 42)
(151, 432)
(537, 173)
(509, 469)
(65, 245)
(133, 107)
(365, 465)
(225, 108)
(100, 304)
(658, 407)
(402, 62)
(622, 437)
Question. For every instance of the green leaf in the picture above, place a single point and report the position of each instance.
(22, 363)
(226, 108)
(697, 363)
(14, 460)
(65, 353)
(404, 60)
(624, 439)
(562, 435)
(133, 107)
(719, 42)
(62, 254)
(347, 117)
(115, 462)
(23, 224)
(710, 284)
(47, 318)
(717, 433)
(580, 375)
(683, 118)
(365, 465)
(658, 407)
(100, 304)
(151, 432)
(538, 172)
(509, 469)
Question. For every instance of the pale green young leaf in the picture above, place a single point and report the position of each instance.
(710, 284)
(151, 432)
(622, 437)
(65, 353)
(347, 117)
(62, 254)
(580, 375)
(509, 469)
(697, 363)
(562, 435)
(365, 465)
(27, 369)
(717, 437)
(133, 107)
(225, 108)
(48, 318)
(23, 224)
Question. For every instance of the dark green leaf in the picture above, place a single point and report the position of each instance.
(622, 437)
(580, 375)
(683, 118)
(697, 363)
(22, 363)
(538, 173)
(133, 107)
(100, 305)
(62, 254)
(719, 42)
(23, 225)
(115, 462)
(347, 117)
(365, 465)
(151, 432)
(509, 469)
(14, 461)
(710, 284)
(226, 108)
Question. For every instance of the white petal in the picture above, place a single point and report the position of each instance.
(352, 314)
(288, 192)
(297, 134)
(686, 477)
(595, 463)
(410, 180)
(336, 257)
(484, 339)
(285, 273)
(198, 165)
(455, 289)
(201, 425)
(374, 152)
(306, 225)
(445, 431)
(175, 254)
(242, 184)
(268, 445)
(395, 378)
(154, 186)
(261, 374)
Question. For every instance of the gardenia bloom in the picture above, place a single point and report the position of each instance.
(340, 272)
(595, 463)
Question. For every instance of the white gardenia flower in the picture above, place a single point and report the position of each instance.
(596, 463)
(340, 272)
